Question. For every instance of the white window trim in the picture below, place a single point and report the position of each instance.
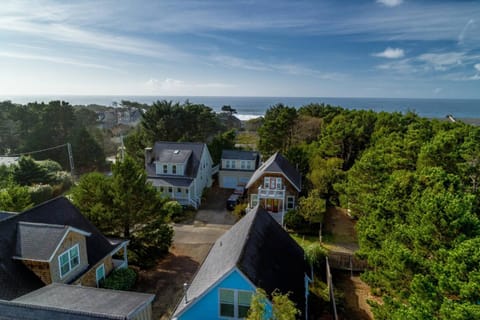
(69, 261)
(293, 202)
(102, 266)
(253, 197)
(235, 302)
(278, 183)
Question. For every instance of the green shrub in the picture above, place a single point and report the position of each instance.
(174, 210)
(120, 279)
(315, 254)
(294, 221)
(240, 210)
(40, 193)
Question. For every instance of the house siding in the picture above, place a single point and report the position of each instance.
(70, 240)
(41, 269)
(289, 188)
(89, 278)
(208, 306)
(204, 176)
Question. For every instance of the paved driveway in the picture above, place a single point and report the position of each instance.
(191, 244)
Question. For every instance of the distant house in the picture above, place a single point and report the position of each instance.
(255, 253)
(275, 186)
(8, 161)
(237, 167)
(49, 245)
(180, 170)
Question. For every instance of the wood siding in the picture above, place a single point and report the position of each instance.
(41, 269)
(89, 278)
(71, 239)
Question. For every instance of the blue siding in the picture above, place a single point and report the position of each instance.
(208, 307)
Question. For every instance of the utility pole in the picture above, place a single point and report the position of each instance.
(70, 158)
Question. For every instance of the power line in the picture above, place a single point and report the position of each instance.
(36, 151)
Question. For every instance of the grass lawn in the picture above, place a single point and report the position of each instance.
(247, 138)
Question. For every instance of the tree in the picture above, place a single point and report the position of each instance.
(282, 307)
(223, 141)
(276, 132)
(229, 110)
(15, 198)
(28, 172)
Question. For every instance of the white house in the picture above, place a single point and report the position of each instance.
(180, 170)
(236, 167)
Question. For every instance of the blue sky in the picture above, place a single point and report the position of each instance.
(361, 48)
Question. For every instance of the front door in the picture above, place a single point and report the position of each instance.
(272, 205)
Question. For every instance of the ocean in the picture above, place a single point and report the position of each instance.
(249, 107)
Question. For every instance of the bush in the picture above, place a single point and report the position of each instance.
(41, 193)
(120, 279)
(240, 210)
(315, 254)
(174, 210)
(294, 221)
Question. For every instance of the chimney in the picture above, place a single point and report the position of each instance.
(148, 156)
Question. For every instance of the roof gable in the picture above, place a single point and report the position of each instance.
(263, 252)
(278, 164)
(15, 277)
(40, 241)
(193, 163)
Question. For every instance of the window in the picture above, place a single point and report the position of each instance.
(242, 164)
(290, 202)
(100, 274)
(254, 200)
(174, 169)
(266, 182)
(170, 189)
(234, 303)
(227, 164)
(161, 189)
(272, 183)
(233, 164)
(249, 165)
(227, 303)
(279, 183)
(68, 260)
(179, 190)
(165, 168)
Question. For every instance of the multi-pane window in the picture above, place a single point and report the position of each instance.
(279, 183)
(174, 169)
(249, 165)
(254, 199)
(69, 260)
(266, 182)
(290, 202)
(165, 168)
(100, 274)
(234, 303)
(179, 190)
(170, 189)
(242, 164)
(227, 164)
(233, 164)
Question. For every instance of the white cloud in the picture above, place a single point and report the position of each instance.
(171, 86)
(391, 53)
(477, 67)
(463, 33)
(442, 61)
(390, 3)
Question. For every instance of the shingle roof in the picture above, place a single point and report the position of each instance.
(278, 164)
(5, 215)
(174, 182)
(174, 156)
(193, 163)
(240, 155)
(15, 278)
(113, 304)
(259, 247)
(38, 241)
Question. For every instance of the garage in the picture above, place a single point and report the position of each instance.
(228, 182)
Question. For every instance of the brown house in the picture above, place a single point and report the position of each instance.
(275, 186)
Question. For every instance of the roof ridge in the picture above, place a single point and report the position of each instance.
(59, 226)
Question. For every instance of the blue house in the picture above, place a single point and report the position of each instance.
(255, 253)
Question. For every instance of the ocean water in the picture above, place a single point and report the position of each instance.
(248, 107)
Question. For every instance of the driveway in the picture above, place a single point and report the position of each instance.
(191, 243)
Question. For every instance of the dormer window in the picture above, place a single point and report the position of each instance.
(174, 169)
(68, 260)
(165, 169)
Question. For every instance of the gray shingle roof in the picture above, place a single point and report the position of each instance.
(38, 241)
(5, 215)
(264, 252)
(240, 155)
(174, 156)
(112, 304)
(277, 164)
(15, 278)
(174, 182)
(193, 163)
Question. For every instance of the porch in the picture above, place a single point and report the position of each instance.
(119, 255)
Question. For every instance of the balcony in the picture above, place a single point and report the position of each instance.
(264, 193)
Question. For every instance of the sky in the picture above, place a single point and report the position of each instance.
(319, 48)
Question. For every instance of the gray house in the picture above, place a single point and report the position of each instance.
(180, 170)
(237, 167)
